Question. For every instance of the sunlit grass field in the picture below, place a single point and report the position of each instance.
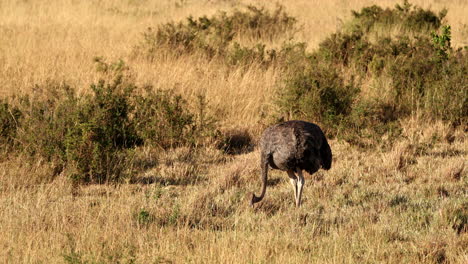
(405, 202)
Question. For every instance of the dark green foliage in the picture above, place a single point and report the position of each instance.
(293, 56)
(442, 43)
(317, 93)
(425, 75)
(143, 217)
(345, 49)
(406, 16)
(398, 200)
(47, 115)
(161, 119)
(94, 135)
(448, 98)
(239, 54)
(109, 109)
(88, 133)
(368, 121)
(102, 129)
(260, 23)
(215, 36)
(429, 77)
(411, 74)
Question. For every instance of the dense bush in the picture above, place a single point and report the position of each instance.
(87, 134)
(102, 130)
(424, 73)
(216, 35)
(93, 135)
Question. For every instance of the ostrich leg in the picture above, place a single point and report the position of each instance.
(300, 185)
(293, 180)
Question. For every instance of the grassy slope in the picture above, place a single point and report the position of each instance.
(394, 205)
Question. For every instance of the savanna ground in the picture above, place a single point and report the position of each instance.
(175, 187)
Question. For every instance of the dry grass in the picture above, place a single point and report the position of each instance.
(45, 40)
(368, 208)
(405, 204)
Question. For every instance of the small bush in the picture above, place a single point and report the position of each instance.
(447, 97)
(368, 121)
(442, 43)
(239, 55)
(143, 217)
(429, 78)
(345, 49)
(260, 23)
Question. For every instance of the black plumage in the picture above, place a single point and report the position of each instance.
(293, 146)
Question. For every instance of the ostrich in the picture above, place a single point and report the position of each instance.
(293, 146)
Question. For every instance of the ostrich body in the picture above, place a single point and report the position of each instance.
(293, 146)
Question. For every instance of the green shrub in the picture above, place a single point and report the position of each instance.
(368, 121)
(447, 96)
(291, 55)
(429, 77)
(47, 115)
(239, 54)
(161, 118)
(102, 129)
(88, 133)
(425, 76)
(442, 43)
(143, 217)
(216, 35)
(260, 23)
(349, 50)
(94, 135)
(317, 93)
(412, 74)
(406, 17)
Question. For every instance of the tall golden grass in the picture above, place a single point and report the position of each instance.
(43, 40)
(386, 205)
